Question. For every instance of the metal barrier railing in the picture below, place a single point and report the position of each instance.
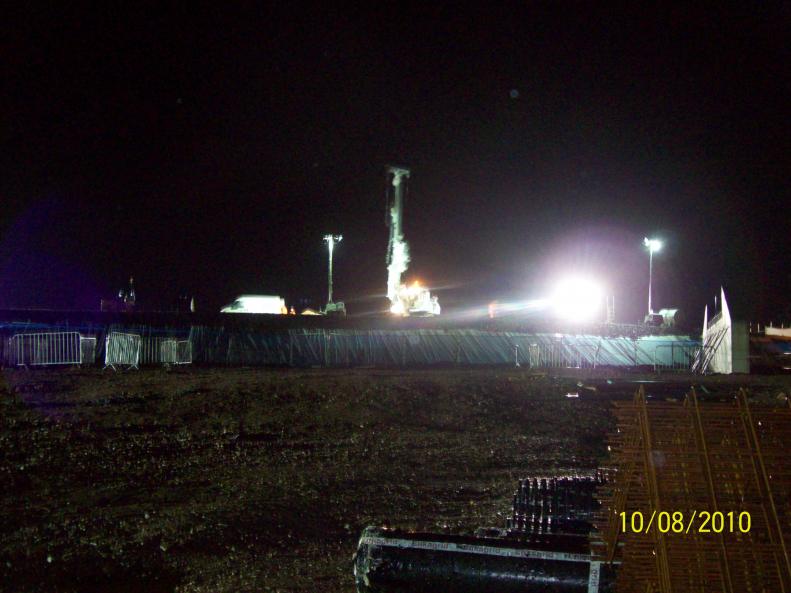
(564, 355)
(165, 350)
(183, 352)
(122, 350)
(87, 350)
(173, 351)
(45, 348)
(151, 350)
(675, 357)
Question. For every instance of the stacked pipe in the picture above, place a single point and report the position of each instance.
(393, 561)
(554, 505)
(544, 547)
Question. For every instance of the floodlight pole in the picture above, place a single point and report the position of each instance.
(650, 275)
(653, 245)
(331, 240)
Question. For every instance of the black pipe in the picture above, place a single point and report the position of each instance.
(555, 505)
(390, 561)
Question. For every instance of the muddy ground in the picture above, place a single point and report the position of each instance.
(235, 480)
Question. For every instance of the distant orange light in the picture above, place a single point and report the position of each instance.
(492, 309)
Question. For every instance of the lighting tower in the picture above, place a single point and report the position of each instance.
(331, 241)
(653, 245)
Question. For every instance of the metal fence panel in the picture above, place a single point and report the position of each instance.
(44, 349)
(122, 350)
(675, 357)
(183, 352)
(164, 350)
(87, 350)
(156, 350)
(167, 351)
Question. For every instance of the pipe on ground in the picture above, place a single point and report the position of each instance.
(390, 561)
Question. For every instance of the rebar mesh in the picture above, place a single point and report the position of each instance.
(691, 457)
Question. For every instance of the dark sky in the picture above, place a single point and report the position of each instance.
(207, 152)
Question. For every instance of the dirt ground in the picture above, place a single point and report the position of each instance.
(235, 480)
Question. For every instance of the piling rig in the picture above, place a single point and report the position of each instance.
(414, 300)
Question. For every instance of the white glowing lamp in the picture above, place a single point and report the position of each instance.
(577, 299)
(652, 244)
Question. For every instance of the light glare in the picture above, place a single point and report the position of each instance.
(652, 244)
(577, 299)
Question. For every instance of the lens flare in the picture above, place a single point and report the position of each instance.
(577, 299)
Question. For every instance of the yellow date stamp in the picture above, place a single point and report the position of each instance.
(678, 522)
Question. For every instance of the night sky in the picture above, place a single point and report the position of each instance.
(208, 152)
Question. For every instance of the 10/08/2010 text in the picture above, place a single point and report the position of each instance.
(678, 522)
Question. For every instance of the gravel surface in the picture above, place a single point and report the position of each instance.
(261, 480)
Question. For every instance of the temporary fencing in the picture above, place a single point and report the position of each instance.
(328, 348)
(45, 348)
(168, 351)
(675, 356)
(155, 350)
(136, 345)
(122, 350)
(165, 350)
(183, 352)
(87, 349)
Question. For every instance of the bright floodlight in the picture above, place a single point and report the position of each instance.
(577, 299)
(652, 244)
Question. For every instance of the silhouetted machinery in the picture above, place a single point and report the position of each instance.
(125, 303)
(405, 300)
(666, 318)
(543, 547)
